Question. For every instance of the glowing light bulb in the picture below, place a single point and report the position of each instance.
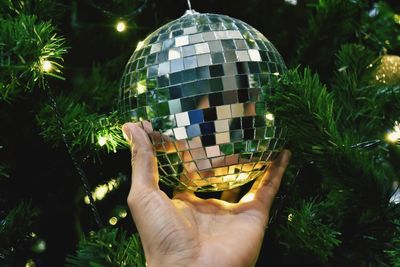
(46, 66)
(102, 140)
(290, 217)
(100, 192)
(121, 26)
(394, 136)
(113, 220)
(269, 116)
(30, 263)
(122, 214)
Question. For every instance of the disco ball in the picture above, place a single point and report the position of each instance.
(199, 83)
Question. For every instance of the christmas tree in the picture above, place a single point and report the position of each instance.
(64, 165)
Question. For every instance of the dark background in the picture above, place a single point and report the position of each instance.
(44, 173)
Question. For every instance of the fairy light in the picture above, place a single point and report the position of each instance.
(122, 213)
(394, 136)
(30, 263)
(102, 190)
(113, 220)
(46, 66)
(290, 217)
(102, 140)
(396, 18)
(121, 26)
(270, 116)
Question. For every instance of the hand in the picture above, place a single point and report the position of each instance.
(190, 231)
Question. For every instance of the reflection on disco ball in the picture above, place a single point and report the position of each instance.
(199, 82)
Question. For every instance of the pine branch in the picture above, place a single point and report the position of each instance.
(86, 131)
(309, 112)
(108, 247)
(43, 9)
(305, 230)
(331, 23)
(380, 28)
(393, 252)
(15, 227)
(25, 43)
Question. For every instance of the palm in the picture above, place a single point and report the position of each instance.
(189, 231)
(221, 228)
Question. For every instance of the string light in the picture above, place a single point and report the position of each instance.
(396, 18)
(121, 26)
(102, 140)
(102, 190)
(290, 217)
(46, 65)
(394, 136)
(122, 214)
(270, 116)
(39, 246)
(113, 220)
(30, 263)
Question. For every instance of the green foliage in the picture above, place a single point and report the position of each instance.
(108, 247)
(83, 129)
(301, 100)
(98, 90)
(393, 253)
(25, 43)
(330, 23)
(354, 89)
(305, 230)
(313, 116)
(380, 28)
(3, 172)
(43, 9)
(15, 227)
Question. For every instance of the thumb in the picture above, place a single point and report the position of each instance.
(144, 162)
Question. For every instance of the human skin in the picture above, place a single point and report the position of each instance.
(189, 231)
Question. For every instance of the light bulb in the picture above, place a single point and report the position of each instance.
(102, 140)
(121, 26)
(269, 116)
(46, 66)
(113, 220)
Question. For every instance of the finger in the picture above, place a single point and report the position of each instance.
(231, 195)
(265, 188)
(144, 163)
